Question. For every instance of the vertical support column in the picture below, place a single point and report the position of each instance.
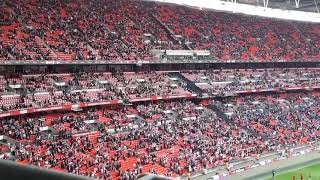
(265, 3)
(297, 3)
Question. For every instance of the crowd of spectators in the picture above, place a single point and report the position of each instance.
(130, 30)
(135, 85)
(231, 81)
(172, 139)
(24, 91)
(168, 138)
(86, 30)
(288, 119)
(228, 37)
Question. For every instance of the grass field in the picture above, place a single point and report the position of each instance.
(313, 170)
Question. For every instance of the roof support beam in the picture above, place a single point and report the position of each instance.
(316, 4)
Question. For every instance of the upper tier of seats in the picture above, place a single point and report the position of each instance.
(130, 30)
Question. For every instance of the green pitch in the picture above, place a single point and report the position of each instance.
(313, 170)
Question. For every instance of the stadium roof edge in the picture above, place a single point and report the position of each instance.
(247, 9)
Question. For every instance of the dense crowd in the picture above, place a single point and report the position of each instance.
(288, 119)
(130, 30)
(170, 138)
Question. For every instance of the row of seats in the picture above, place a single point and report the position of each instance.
(130, 30)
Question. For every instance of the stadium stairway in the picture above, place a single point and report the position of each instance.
(222, 115)
(170, 32)
(188, 84)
